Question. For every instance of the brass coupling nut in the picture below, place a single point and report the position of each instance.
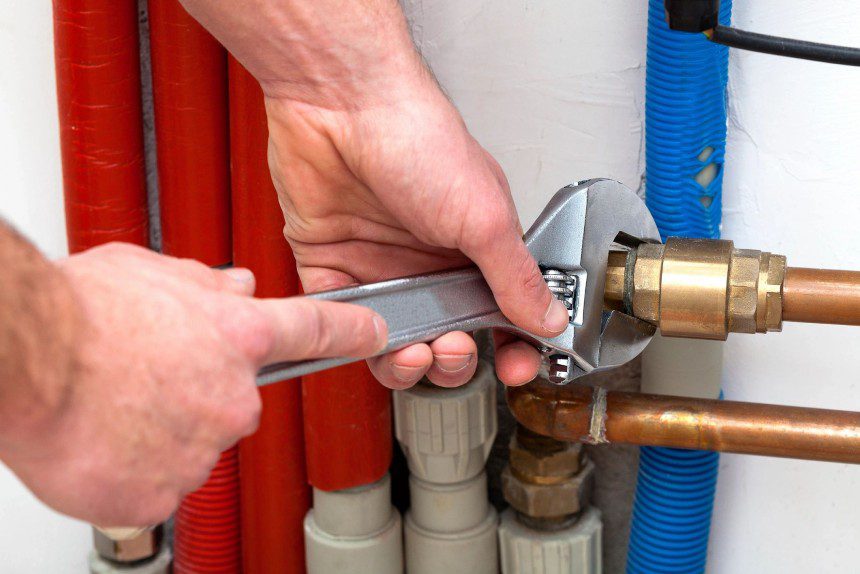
(701, 288)
(546, 478)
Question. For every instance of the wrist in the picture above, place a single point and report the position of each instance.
(40, 357)
(358, 80)
(341, 57)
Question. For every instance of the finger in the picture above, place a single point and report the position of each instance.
(242, 281)
(300, 328)
(237, 280)
(517, 362)
(515, 278)
(455, 358)
(402, 369)
(317, 279)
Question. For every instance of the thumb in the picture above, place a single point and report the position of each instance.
(515, 278)
(300, 328)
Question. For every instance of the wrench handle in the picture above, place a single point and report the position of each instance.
(417, 310)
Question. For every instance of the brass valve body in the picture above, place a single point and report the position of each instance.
(699, 288)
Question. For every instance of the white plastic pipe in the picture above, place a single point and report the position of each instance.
(574, 550)
(446, 435)
(354, 531)
(451, 528)
(683, 367)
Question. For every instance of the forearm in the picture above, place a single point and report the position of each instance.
(325, 52)
(39, 320)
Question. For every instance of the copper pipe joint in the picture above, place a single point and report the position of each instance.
(595, 415)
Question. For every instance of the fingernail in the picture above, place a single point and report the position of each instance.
(240, 275)
(406, 374)
(452, 363)
(556, 319)
(381, 328)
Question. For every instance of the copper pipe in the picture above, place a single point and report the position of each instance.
(821, 296)
(598, 416)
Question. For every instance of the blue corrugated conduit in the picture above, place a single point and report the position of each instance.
(685, 131)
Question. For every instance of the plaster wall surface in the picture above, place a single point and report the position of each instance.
(554, 90)
(33, 538)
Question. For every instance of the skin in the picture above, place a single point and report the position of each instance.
(377, 174)
(126, 373)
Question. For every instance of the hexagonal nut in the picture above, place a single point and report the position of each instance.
(769, 314)
(569, 496)
(125, 548)
(647, 276)
(545, 465)
(743, 290)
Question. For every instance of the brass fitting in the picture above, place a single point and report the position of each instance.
(133, 546)
(699, 288)
(546, 480)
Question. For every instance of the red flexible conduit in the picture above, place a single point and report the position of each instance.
(101, 130)
(275, 495)
(189, 77)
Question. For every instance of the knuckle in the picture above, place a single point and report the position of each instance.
(530, 277)
(251, 332)
(118, 249)
(483, 232)
(363, 332)
(200, 273)
(319, 335)
(242, 416)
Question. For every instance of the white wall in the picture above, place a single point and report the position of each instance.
(792, 187)
(33, 539)
(554, 90)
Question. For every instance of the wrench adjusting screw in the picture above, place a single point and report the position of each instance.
(563, 287)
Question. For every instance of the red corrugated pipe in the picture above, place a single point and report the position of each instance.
(189, 78)
(275, 494)
(101, 126)
(347, 427)
(206, 538)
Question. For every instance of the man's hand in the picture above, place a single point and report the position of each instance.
(377, 174)
(160, 379)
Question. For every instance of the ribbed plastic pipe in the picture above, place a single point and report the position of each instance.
(274, 492)
(685, 117)
(101, 127)
(206, 537)
(189, 80)
(685, 135)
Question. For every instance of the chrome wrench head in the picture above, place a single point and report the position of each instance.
(574, 235)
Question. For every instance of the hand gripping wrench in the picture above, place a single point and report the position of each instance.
(571, 241)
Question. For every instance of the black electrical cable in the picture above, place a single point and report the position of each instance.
(787, 47)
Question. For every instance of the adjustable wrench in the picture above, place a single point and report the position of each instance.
(571, 241)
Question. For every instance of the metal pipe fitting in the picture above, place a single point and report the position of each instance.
(595, 415)
(548, 482)
(128, 545)
(699, 288)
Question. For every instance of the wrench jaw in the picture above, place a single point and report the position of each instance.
(574, 235)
